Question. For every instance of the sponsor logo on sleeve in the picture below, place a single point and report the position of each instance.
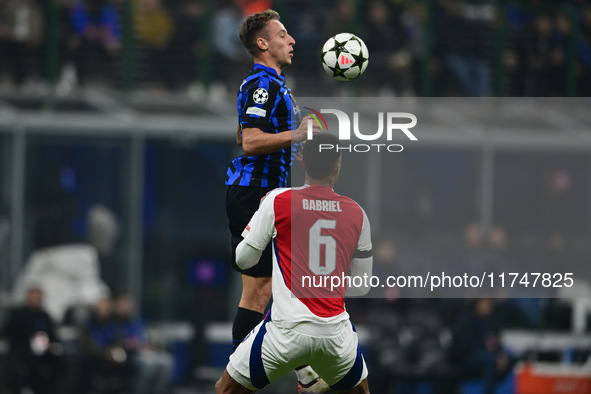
(256, 111)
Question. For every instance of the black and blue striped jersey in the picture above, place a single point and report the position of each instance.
(266, 103)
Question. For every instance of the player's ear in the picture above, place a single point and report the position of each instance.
(262, 44)
(337, 170)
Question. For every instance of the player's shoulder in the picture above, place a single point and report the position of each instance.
(349, 203)
(276, 200)
(281, 192)
(344, 199)
(260, 78)
(260, 90)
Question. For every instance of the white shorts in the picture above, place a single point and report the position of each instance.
(269, 352)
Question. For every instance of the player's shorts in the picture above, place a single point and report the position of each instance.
(241, 203)
(269, 352)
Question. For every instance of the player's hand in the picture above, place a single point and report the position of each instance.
(301, 133)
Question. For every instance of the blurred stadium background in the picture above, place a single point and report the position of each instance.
(121, 140)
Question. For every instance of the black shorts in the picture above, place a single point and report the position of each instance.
(241, 203)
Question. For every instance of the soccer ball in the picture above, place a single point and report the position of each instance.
(345, 56)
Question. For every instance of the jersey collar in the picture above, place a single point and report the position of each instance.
(316, 186)
(269, 70)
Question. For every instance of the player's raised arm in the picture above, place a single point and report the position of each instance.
(255, 142)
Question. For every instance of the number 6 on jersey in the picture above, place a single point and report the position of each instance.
(316, 240)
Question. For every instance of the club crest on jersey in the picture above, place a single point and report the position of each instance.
(260, 96)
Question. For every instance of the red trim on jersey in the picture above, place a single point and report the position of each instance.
(282, 208)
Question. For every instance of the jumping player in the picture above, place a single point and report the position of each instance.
(314, 232)
(270, 130)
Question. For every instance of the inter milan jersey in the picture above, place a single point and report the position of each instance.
(265, 103)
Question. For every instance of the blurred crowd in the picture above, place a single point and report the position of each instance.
(430, 48)
(86, 39)
(107, 350)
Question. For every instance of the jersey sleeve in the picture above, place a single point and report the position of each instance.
(259, 104)
(362, 262)
(261, 227)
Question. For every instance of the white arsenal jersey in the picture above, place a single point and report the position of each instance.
(316, 233)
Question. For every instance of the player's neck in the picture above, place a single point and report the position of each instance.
(319, 182)
(268, 63)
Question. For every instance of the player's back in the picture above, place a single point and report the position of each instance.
(317, 234)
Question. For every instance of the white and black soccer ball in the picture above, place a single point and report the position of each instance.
(345, 56)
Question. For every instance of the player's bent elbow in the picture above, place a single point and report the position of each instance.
(243, 263)
(357, 291)
(364, 291)
(251, 149)
(248, 149)
(249, 142)
(247, 256)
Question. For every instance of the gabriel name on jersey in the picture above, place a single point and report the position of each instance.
(321, 205)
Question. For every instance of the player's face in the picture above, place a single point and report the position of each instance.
(280, 43)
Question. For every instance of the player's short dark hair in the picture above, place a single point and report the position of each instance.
(255, 26)
(321, 154)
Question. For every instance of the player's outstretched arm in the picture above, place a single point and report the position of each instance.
(256, 142)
